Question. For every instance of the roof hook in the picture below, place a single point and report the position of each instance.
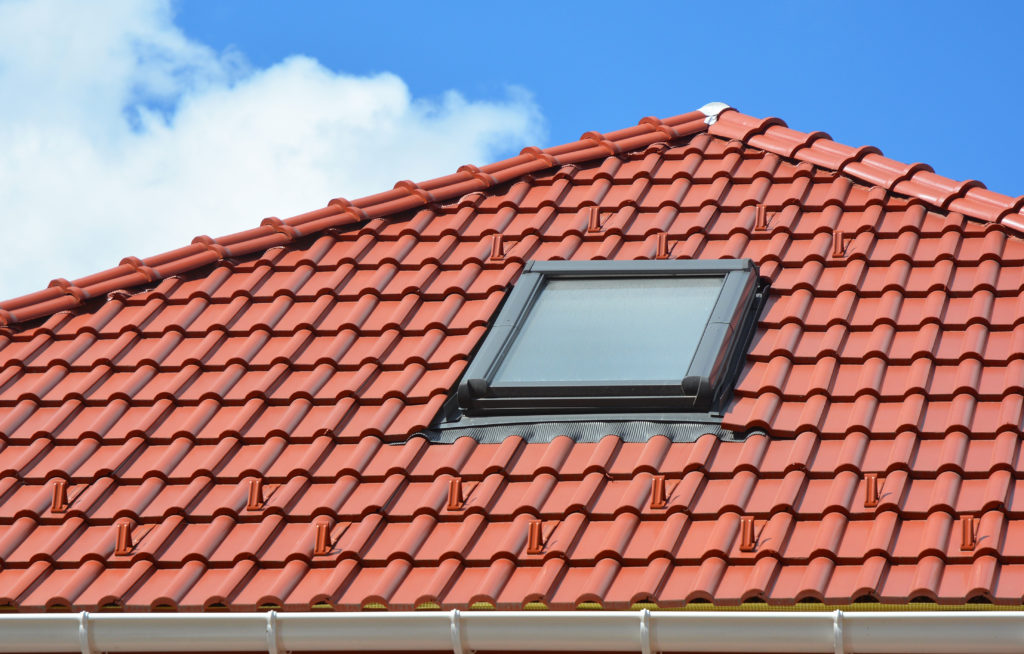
(659, 500)
(535, 538)
(59, 502)
(255, 500)
(322, 544)
(497, 248)
(455, 499)
(748, 539)
(969, 536)
(838, 246)
(760, 218)
(123, 543)
(870, 490)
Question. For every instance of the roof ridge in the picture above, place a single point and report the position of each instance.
(867, 164)
(62, 295)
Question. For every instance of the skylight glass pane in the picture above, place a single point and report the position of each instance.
(611, 329)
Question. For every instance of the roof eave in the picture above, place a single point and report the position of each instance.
(527, 631)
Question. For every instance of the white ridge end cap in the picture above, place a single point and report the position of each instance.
(711, 110)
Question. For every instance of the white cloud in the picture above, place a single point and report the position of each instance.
(120, 136)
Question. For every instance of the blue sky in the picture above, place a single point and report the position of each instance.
(938, 82)
(130, 126)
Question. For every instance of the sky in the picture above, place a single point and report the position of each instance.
(129, 127)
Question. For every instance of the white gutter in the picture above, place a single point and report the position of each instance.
(462, 633)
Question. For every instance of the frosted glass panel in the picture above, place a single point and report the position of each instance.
(611, 329)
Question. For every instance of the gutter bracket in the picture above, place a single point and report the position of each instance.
(84, 638)
(837, 632)
(456, 621)
(273, 644)
(645, 631)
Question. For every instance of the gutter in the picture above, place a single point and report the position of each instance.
(526, 631)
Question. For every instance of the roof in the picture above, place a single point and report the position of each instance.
(308, 353)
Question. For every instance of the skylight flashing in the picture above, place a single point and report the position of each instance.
(590, 354)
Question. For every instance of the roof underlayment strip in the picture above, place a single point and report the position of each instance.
(836, 632)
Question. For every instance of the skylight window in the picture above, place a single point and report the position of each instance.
(589, 330)
(615, 337)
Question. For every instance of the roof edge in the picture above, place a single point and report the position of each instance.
(131, 272)
(867, 164)
(461, 632)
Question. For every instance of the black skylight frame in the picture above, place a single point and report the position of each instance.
(700, 389)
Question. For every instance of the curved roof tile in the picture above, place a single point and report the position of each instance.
(302, 358)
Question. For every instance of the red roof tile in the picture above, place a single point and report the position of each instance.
(303, 354)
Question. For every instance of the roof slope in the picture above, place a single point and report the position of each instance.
(888, 359)
(969, 198)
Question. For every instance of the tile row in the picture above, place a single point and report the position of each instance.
(650, 496)
(369, 313)
(370, 383)
(883, 379)
(304, 349)
(917, 180)
(228, 458)
(454, 233)
(916, 413)
(552, 583)
(416, 261)
(427, 539)
(413, 315)
(280, 310)
(902, 346)
(894, 308)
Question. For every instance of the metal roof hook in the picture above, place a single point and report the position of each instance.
(273, 644)
(645, 631)
(84, 637)
(837, 632)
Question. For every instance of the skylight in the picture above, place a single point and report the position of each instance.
(615, 337)
(625, 328)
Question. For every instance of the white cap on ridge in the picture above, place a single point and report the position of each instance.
(711, 110)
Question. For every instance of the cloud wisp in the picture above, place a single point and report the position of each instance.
(121, 136)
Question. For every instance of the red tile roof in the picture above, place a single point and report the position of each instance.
(230, 423)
